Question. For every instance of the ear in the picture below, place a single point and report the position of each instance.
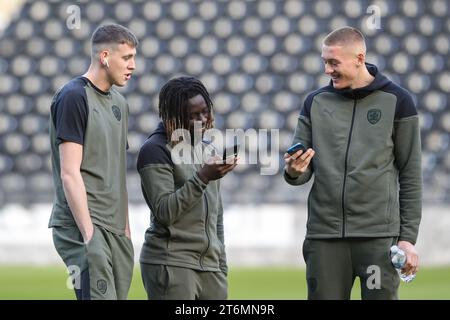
(361, 57)
(104, 57)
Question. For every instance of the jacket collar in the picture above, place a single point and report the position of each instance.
(379, 82)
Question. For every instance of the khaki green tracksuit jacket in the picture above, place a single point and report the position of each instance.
(186, 228)
(367, 166)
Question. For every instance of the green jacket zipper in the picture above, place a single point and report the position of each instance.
(202, 256)
(346, 167)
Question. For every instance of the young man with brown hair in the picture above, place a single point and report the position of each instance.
(88, 136)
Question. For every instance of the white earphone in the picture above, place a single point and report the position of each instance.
(106, 63)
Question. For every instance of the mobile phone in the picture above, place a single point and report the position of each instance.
(294, 148)
(230, 152)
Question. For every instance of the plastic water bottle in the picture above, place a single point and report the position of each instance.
(398, 259)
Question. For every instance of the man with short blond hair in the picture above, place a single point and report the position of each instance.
(363, 139)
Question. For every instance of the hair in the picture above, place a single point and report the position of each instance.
(112, 34)
(345, 36)
(174, 99)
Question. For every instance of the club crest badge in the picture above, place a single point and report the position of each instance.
(102, 286)
(116, 112)
(373, 115)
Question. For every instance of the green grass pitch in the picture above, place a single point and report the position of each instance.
(265, 283)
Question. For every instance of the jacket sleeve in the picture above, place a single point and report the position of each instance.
(157, 180)
(303, 134)
(220, 235)
(407, 150)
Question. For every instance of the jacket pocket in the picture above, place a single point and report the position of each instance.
(388, 217)
(392, 211)
(324, 205)
(368, 202)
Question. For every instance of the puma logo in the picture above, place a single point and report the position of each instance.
(329, 112)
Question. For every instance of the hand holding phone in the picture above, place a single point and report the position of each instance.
(297, 166)
(294, 148)
(230, 152)
(217, 168)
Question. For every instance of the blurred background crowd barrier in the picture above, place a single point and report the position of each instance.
(258, 60)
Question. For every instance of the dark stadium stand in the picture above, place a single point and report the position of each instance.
(257, 58)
